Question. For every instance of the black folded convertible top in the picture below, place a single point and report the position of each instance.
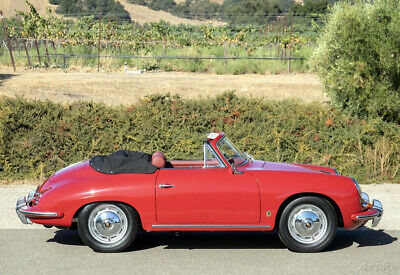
(123, 162)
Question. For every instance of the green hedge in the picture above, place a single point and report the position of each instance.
(38, 138)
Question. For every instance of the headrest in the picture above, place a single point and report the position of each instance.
(158, 159)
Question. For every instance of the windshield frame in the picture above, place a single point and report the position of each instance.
(246, 159)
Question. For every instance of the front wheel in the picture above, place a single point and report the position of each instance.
(108, 227)
(308, 224)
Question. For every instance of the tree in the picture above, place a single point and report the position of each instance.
(358, 58)
(310, 7)
(78, 8)
(250, 11)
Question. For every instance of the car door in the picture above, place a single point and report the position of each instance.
(206, 195)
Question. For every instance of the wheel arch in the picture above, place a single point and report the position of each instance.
(77, 212)
(309, 194)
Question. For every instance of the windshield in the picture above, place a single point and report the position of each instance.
(230, 152)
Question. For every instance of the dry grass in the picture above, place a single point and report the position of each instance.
(120, 88)
(9, 6)
(140, 14)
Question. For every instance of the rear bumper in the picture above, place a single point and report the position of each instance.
(25, 213)
(372, 212)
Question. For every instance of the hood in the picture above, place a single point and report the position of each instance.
(285, 167)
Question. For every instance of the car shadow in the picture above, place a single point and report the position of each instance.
(4, 77)
(364, 237)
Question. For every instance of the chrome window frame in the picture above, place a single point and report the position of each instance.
(221, 163)
(243, 163)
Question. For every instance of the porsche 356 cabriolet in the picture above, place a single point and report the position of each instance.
(111, 198)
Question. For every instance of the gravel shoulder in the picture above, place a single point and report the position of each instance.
(388, 194)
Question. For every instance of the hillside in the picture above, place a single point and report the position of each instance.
(140, 14)
(9, 6)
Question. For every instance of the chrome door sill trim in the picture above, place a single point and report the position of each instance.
(207, 226)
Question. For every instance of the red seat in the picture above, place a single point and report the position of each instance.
(158, 159)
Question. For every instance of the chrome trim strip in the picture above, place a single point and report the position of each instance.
(38, 214)
(215, 153)
(367, 217)
(207, 226)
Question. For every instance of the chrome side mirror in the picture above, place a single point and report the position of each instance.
(250, 157)
(234, 170)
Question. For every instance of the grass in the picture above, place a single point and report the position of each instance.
(234, 67)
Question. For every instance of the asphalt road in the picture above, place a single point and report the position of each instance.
(54, 251)
(33, 249)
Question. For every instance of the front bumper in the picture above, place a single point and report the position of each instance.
(24, 213)
(373, 211)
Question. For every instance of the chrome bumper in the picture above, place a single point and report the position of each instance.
(21, 202)
(24, 214)
(375, 216)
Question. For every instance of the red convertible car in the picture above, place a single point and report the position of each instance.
(110, 198)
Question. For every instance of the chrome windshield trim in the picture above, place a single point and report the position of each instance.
(246, 160)
(207, 226)
(38, 214)
(215, 153)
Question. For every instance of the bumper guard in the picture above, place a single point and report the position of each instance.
(24, 215)
(374, 211)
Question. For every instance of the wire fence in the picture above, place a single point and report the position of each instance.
(47, 51)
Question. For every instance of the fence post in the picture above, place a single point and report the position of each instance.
(225, 53)
(291, 23)
(99, 46)
(290, 44)
(64, 55)
(47, 50)
(24, 42)
(27, 53)
(7, 40)
(38, 52)
(55, 51)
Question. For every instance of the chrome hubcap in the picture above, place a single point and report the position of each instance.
(108, 223)
(307, 223)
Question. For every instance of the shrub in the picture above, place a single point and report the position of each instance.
(358, 58)
(37, 138)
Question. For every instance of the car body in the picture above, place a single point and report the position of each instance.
(220, 192)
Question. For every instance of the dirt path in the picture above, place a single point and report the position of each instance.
(120, 88)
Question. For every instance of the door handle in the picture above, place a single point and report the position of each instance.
(166, 185)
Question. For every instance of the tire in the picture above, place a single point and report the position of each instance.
(108, 227)
(308, 224)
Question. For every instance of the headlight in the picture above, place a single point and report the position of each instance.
(357, 186)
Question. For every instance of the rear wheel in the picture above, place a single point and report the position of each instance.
(308, 224)
(108, 227)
